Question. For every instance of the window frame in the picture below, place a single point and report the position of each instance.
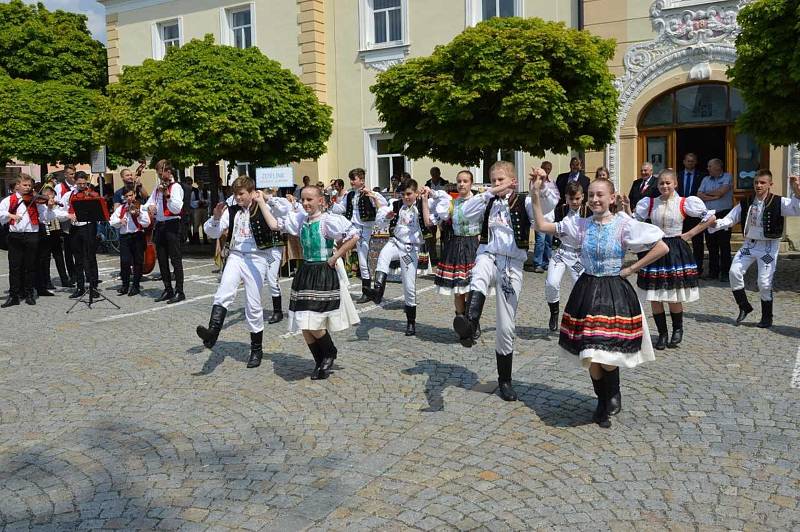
(227, 32)
(159, 45)
(371, 138)
(474, 11)
(367, 27)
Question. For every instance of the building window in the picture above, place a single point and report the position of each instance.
(166, 35)
(478, 10)
(382, 162)
(387, 21)
(237, 26)
(242, 168)
(483, 172)
(384, 32)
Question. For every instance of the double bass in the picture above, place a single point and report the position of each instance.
(149, 248)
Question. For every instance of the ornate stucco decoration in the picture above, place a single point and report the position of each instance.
(696, 37)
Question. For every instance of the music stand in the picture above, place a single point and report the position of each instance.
(91, 210)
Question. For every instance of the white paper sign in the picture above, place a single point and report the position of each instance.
(99, 160)
(278, 176)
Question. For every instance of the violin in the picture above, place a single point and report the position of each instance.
(39, 199)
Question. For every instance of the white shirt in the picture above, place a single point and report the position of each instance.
(340, 207)
(62, 189)
(174, 203)
(23, 225)
(128, 225)
(62, 212)
(407, 229)
(242, 239)
(753, 228)
(667, 215)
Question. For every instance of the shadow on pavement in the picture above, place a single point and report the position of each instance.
(441, 376)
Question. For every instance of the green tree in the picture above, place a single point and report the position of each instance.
(41, 45)
(767, 70)
(47, 121)
(204, 102)
(507, 83)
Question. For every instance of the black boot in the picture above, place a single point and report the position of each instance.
(614, 404)
(12, 300)
(256, 352)
(277, 310)
(314, 348)
(504, 364)
(677, 329)
(468, 325)
(378, 287)
(79, 291)
(411, 320)
(328, 353)
(766, 314)
(94, 293)
(600, 415)
(366, 291)
(209, 335)
(135, 288)
(122, 290)
(553, 316)
(745, 307)
(166, 295)
(663, 336)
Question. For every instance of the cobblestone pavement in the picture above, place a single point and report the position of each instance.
(121, 420)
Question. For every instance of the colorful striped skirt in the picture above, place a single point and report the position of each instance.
(603, 322)
(672, 278)
(454, 270)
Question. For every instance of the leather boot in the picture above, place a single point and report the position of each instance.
(94, 293)
(328, 353)
(663, 335)
(468, 325)
(135, 288)
(600, 415)
(677, 330)
(29, 299)
(256, 352)
(366, 291)
(745, 307)
(314, 348)
(122, 290)
(11, 301)
(179, 296)
(766, 314)
(504, 364)
(378, 287)
(475, 311)
(411, 320)
(277, 310)
(553, 316)
(210, 334)
(44, 292)
(614, 403)
(166, 295)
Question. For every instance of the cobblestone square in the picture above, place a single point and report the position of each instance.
(120, 419)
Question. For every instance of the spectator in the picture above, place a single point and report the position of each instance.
(644, 187)
(542, 243)
(716, 190)
(575, 174)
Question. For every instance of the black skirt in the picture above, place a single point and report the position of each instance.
(315, 288)
(602, 314)
(455, 268)
(674, 271)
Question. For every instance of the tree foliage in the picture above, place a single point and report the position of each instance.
(41, 45)
(507, 83)
(47, 121)
(767, 70)
(204, 102)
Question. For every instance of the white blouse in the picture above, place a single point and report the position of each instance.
(333, 226)
(669, 215)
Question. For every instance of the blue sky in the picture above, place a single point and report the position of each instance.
(90, 8)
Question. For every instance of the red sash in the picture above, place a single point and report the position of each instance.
(135, 218)
(33, 210)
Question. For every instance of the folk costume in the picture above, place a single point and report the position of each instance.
(168, 238)
(407, 231)
(83, 240)
(62, 189)
(131, 246)
(603, 321)
(764, 222)
(566, 257)
(320, 299)
(23, 244)
(50, 245)
(249, 242)
(453, 271)
(359, 208)
(277, 245)
(674, 278)
(504, 238)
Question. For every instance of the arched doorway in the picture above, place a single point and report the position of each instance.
(700, 118)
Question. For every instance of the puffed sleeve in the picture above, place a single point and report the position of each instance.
(473, 208)
(380, 201)
(340, 207)
(292, 222)
(175, 201)
(571, 227)
(548, 199)
(279, 206)
(696, 208)
(642, 210)
(214, 228)
(790, 206)
(439, 205)
(115, 220)
(640, 236)
(380, 217)
(728, 221)
(338, 228)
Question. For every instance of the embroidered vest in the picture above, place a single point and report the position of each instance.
(772, 220)
(366, 210)
(420, 219)
(563, 210)
(520, 221)
(316, 248)
(33, 210)
(265, 237)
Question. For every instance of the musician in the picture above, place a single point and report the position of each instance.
(165, 205)
(131, 220)
(83, 237)
(50, 244)
(23, 214)
(129, 182)
(64, 188)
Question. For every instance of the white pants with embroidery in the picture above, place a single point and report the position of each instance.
(407, 254)
(274, 258)
(765, 252)
(249, 269)
(362, 248)
(504, 275)
(560, 262)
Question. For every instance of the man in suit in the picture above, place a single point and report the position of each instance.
(574, 174)
(644, 187)
(689, 180)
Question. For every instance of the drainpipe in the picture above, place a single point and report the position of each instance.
(580, 14)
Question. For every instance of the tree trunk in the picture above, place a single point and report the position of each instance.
(43, 171)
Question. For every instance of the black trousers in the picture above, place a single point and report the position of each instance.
(719, 249)
(697, 242)
(84, 248)
(69, 259)
(168, 237)
(23, 249)
(50, 246)
(131, 257)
